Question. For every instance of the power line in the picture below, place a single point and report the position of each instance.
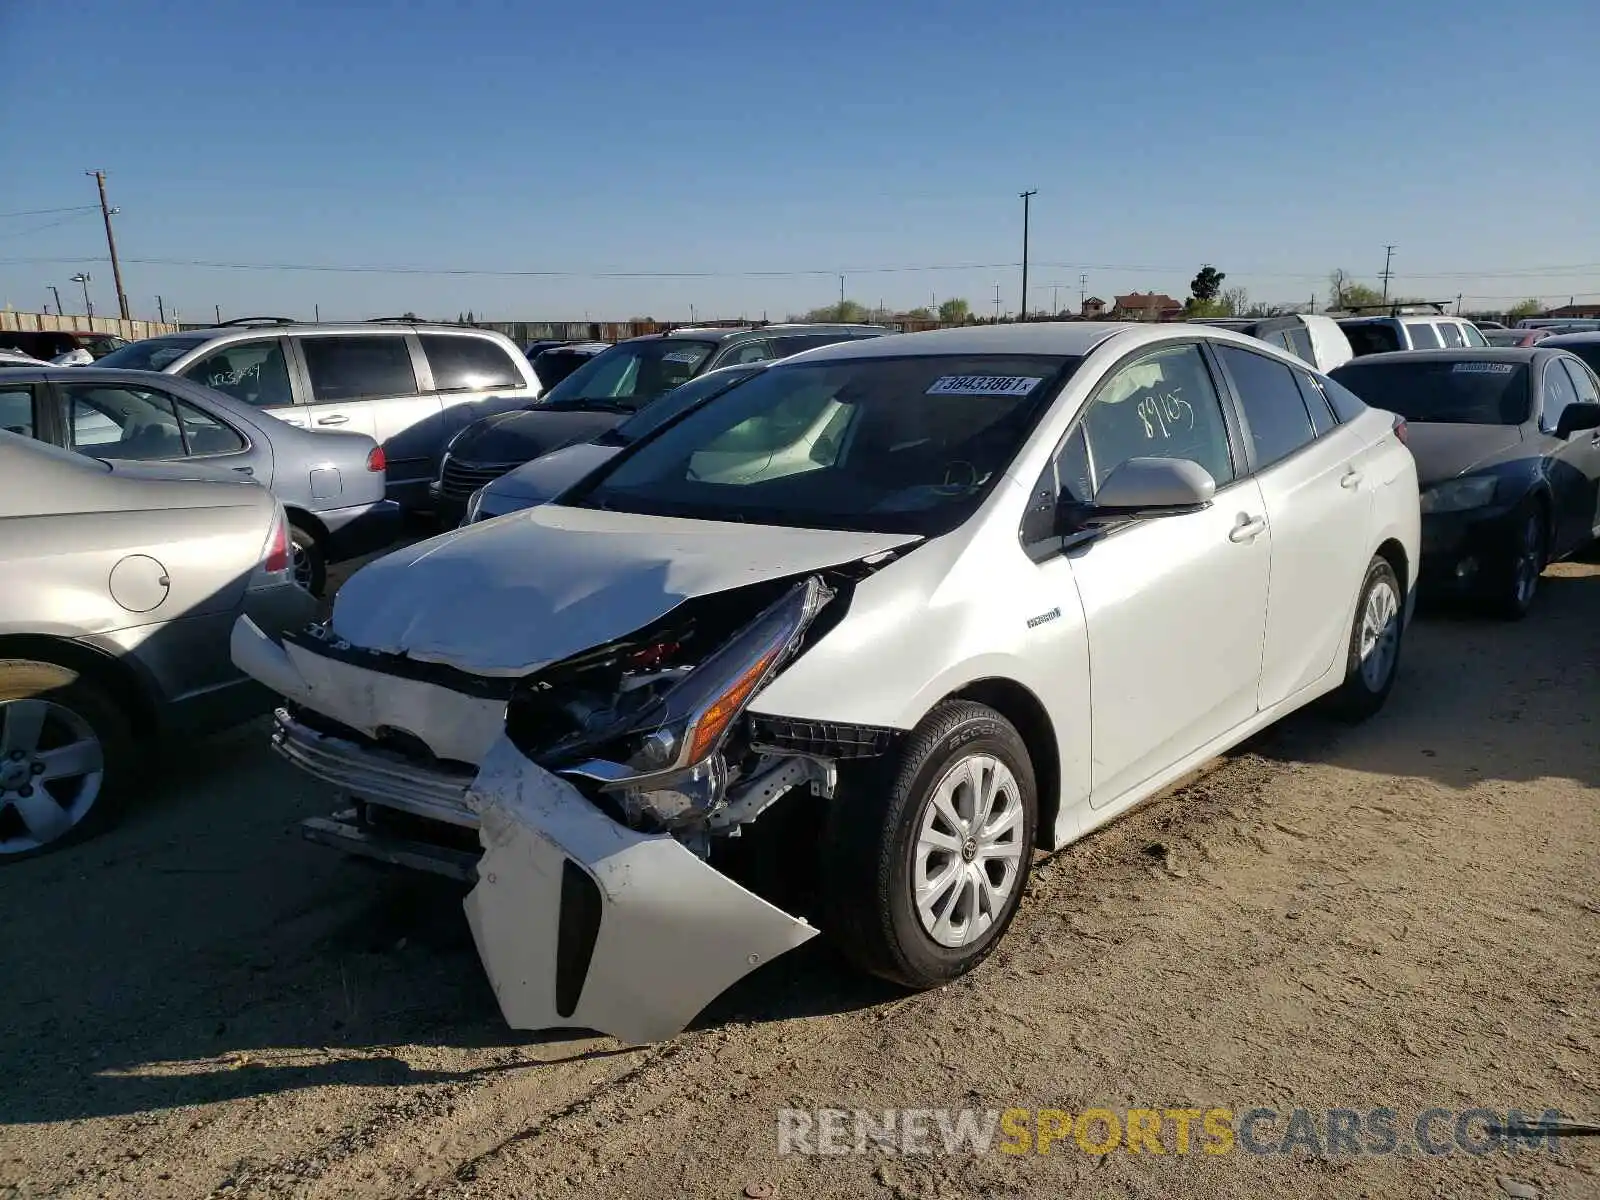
(77, 216)
(45, 212)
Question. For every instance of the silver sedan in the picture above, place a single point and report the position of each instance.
(119, 585)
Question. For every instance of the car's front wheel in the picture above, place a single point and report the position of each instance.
(924, 864)
(1518, 580)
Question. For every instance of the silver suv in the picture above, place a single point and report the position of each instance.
(411, 386)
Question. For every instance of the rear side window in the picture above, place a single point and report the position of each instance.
(756, 351)
(1451, 335)
(142, 425)
(1300, 344)
(1423, 337)
(1473, 335)
(16, 411)
(358, 367)
(1279, 423)
(468, 364)
(1322, 416)
(1346, 405)
(1583, 381)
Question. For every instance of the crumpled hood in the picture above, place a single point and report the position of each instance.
(509, 596)
(1444, 451)
(527, 433)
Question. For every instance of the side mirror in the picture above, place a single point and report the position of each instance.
(1148, 487)
(1576, 417)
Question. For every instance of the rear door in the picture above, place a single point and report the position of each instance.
(367, 383)
(1319, 506)
(473, 376)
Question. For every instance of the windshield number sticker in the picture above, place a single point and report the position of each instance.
(681, 356)
(1482, 368)
(984, 385)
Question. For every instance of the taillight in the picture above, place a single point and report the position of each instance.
(1400, 429)
(277, 558)
(376, 461)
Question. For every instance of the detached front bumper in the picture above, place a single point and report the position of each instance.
(580, 921)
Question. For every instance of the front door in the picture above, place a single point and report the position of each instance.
(1572, 469)
(254, 372)
(1584, 444)
(1175, 606)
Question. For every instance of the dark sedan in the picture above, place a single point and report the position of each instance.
(1507, 443)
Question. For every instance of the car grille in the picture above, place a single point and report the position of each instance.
(459, 480)
(377, 776)
(822, 739)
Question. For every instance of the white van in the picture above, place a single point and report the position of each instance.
(1420, 331)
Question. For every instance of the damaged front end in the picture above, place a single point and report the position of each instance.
(584, 800)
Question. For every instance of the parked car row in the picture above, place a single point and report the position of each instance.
(747, 634)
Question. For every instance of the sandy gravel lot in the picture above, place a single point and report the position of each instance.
(1404, 914)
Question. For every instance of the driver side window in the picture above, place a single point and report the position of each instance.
(1162, 405)
(1558, 393)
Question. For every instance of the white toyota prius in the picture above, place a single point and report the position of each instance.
(842, 648)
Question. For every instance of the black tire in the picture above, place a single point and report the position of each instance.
(310, 564)
(1363, 692)
(26, 679)
(1516, 580)
(870, 837)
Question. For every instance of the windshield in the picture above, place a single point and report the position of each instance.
(629, 374)
(1450, 392)
(665, 408)
(891, 445)
(152, 354)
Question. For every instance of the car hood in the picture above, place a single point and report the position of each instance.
(509, 596)
(525, 434)
(1444, 451)
(548, 476)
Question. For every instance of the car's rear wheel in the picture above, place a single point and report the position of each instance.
(65, 751)
(924, 863)
(1372, 658)
(309, 563)
(1518, 581)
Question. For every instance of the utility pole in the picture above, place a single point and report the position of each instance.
(1458, 304)
(1055, 298)
(1083, 292)
(841, 297)
(997, 302)
(1026, 198)
(161, 311)
(219, 314)
(56, 292)
(106, 212)
(1388, 257)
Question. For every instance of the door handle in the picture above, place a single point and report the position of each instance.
(333, 420)
(1350, 478)
(1247, 529)
(245, 470)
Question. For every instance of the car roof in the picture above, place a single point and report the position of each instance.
(301, 327)
(1074, 338)
(1581, 337)
(724, 333)
(1455, 354)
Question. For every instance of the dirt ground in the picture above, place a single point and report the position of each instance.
(1405, 914)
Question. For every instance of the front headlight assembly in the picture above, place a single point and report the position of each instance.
(666, 763)
(1458, 495)
(474, 506)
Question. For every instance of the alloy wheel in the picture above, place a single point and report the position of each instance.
(52, 768)
(1380, 634)
(969, 850)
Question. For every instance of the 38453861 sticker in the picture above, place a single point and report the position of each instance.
(682, 356)
(984, 385)
(1482, 368)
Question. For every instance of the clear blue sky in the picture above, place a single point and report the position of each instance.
(1277, 141)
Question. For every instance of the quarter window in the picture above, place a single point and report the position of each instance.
(16, 411)
(462, 363)
(1322, 415)
(1582, 382)
(1163, 405)
(1273, 408)
(143, 425)
(1451, 334)
(751, 352)
(358, 367)
(1473, 335)
(1300, 339)
(253, 372)
(1423, 337)
(1558, 393)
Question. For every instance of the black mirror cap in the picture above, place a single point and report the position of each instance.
(1576, 417)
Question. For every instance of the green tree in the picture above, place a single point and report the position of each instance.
(1207, 285)
(1343, 291)
(954, 312)
(850, 312)
(1205, 308)
(1530, 307)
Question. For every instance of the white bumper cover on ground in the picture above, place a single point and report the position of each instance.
(669, 933)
